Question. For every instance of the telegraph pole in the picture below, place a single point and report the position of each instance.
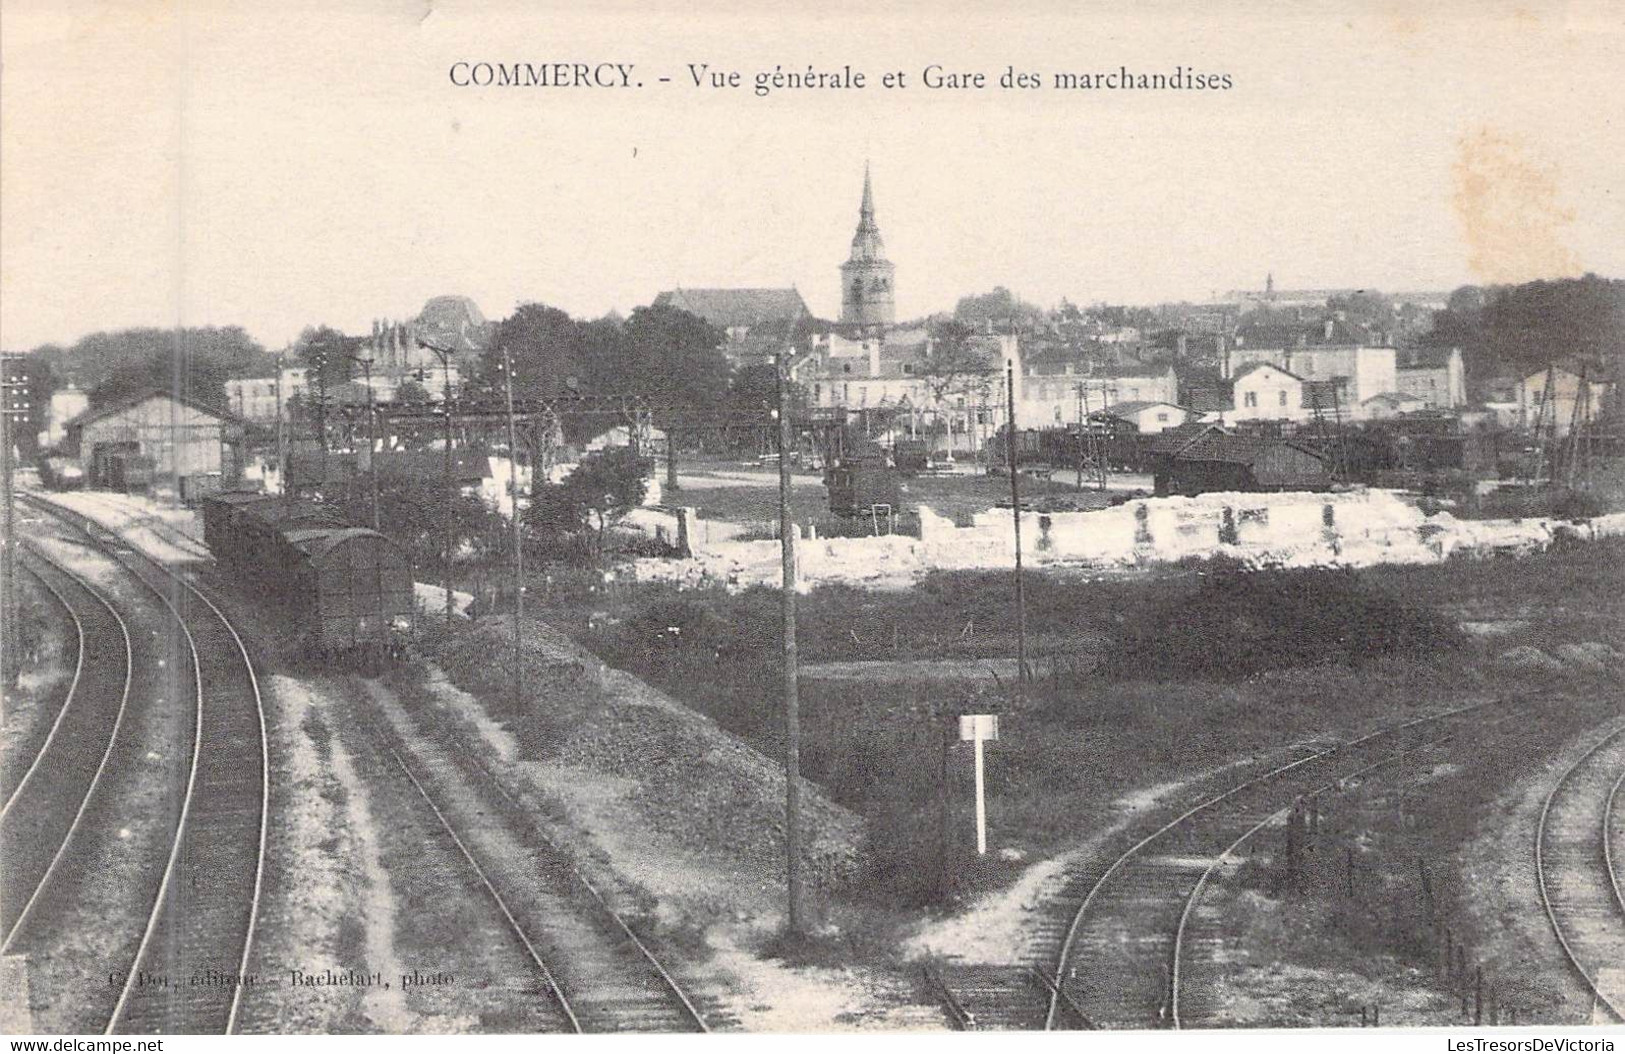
(444, 354)
(281, 436)
(518, 534)
(792, 717)
(11, 405)
(1015, 512)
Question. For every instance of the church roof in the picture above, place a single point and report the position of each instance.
(866, 244)
(727, 308)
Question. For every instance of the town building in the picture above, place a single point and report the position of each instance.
(737, 312)
(401, 350)
(67, 403)
(899, 377)
(257, 398)
(1147, 417)
(1066, 392)
(180, 436)
(1435, 376)
(1352, 373)
(1552, 398)
(1386, 405)
(1265, 392)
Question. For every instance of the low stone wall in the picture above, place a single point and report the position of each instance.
(1357, 528)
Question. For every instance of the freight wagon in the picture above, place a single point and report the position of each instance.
(348, 588)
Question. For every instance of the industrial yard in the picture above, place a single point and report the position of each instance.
(522, 522)
(921, 941)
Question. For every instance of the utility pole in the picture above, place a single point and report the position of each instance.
(792, 717)
(671, 456)
(518, 535)
(1022, 676)
(365, 360)
(12, 380)
(281, 436)
(444, 355)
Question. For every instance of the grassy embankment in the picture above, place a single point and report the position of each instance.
(1083, 740)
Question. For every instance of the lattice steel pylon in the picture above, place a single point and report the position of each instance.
(1545, 431)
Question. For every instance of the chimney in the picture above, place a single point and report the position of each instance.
(1330, 324)
(873, 345)
(1181, 346)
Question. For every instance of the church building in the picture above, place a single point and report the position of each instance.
(868, 297)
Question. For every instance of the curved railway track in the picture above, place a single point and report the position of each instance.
(598, 973)
(34, 738)
(46, 809)
(1198, 951)
(1115, 926)
(185, 976)
(1579, 850)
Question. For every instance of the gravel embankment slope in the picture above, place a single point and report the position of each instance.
(676, 803)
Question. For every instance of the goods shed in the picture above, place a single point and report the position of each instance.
(167, 435)
(1214, 460)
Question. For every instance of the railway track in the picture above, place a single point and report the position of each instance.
(1111, 931)
(1199, 947)
(46, 809)
(1580, 868)
(30, 740)
(599, 975)
(185, 976)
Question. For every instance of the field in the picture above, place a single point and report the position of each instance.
(749, 494)
(1079, 744)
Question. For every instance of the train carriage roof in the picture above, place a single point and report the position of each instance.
(318, 542)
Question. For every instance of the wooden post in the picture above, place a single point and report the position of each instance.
(792, 721)
(1478, 995)
(944, 828)
(1362, 1016)
(1022, 674)
(1376, 1015)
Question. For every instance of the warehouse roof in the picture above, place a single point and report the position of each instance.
(118, 406)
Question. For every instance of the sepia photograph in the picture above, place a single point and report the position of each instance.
(808, 519)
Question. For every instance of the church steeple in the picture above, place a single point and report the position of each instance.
(866, 277)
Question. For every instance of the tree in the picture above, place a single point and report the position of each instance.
(998, 307)
(546, 347)
(328, 354)
(190, 363)
(955, 362)
(1517, 330)
(595, 496)
(667, 356)
(410, 391)
(412, 510)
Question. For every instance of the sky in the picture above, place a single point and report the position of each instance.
(281, 165)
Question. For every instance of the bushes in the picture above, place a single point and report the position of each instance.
(1235, 625)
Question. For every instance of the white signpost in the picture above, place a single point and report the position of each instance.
(977, 729)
